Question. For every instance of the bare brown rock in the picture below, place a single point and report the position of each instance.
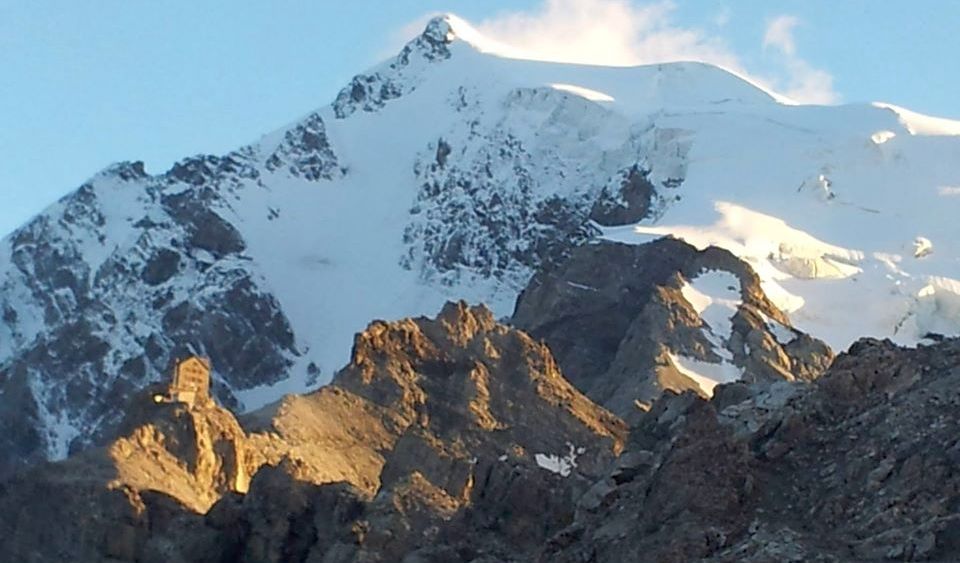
(613, 313)
(858, 466)
(435, 428)
(174, 460)
(458, 439)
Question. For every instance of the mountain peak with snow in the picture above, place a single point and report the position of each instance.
(679, 75)
(457, 170)
(450, 27)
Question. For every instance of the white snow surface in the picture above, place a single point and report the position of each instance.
(561, 464)
(587, 93)
(824, 202)
(920, 124)
(715, 296)
(706, 374)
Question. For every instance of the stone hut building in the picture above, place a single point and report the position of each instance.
(191, 382)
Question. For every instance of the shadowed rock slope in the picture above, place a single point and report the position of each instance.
(861, 465)
(617, 316)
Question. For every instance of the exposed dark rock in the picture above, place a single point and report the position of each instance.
(370, 92)
(242, 331)
(613, 313)
(305, 152)
(207, 230)
(432, 44)
(128, 171)
(20, 436)
(366, 92)
(443, 151)
(210, 169)
(161, 267)
(855, 466)
(631, 204)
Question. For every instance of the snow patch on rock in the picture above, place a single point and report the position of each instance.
(716, 297)
(706, 374)
(561, 464)
(922, 247)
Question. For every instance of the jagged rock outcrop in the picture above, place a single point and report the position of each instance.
(461, 424)
(620, 321)
(306, 153)
(172, 460)
(857, 466)
(437, 429)
(449, 171)
(193, 453)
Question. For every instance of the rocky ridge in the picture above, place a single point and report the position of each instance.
(857, 466)
(423, 432)
(457, 438)
(618, 317)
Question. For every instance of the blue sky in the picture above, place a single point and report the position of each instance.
(84, 84)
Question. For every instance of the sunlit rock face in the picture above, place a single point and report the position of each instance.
(436, 429)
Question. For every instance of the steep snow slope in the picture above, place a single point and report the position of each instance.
(919, 124)
(453, 171)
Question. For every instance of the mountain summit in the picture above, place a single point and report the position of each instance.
(676, 77)
(453, 171)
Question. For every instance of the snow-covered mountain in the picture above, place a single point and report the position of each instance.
(454, 171)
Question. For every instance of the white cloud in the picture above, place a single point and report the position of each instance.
(800, 80)
(807, 84)
(623, 32)
(779, 34)
(606, 32)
